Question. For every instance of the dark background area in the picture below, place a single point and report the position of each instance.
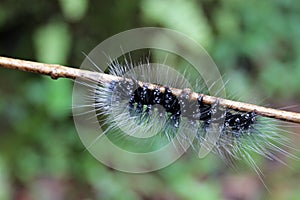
(255, 45)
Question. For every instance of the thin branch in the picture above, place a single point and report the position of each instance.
(59, 71)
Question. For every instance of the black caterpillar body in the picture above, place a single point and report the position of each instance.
(142, 101)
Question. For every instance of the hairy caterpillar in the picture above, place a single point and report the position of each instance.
(143, 112)
(137, 124)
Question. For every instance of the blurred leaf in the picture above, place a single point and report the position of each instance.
(74, 9)
(52, 43)
(276, 79)
(58, 96)
(183, 16)
(5, 189)
(28, 164)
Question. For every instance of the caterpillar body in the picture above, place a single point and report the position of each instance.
(144, 112)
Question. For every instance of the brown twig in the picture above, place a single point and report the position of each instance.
(59, 71)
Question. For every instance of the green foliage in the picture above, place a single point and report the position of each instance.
(52, 42)
(74, 10)
(254, 43)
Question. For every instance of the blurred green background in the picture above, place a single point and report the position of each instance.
(255, 45)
